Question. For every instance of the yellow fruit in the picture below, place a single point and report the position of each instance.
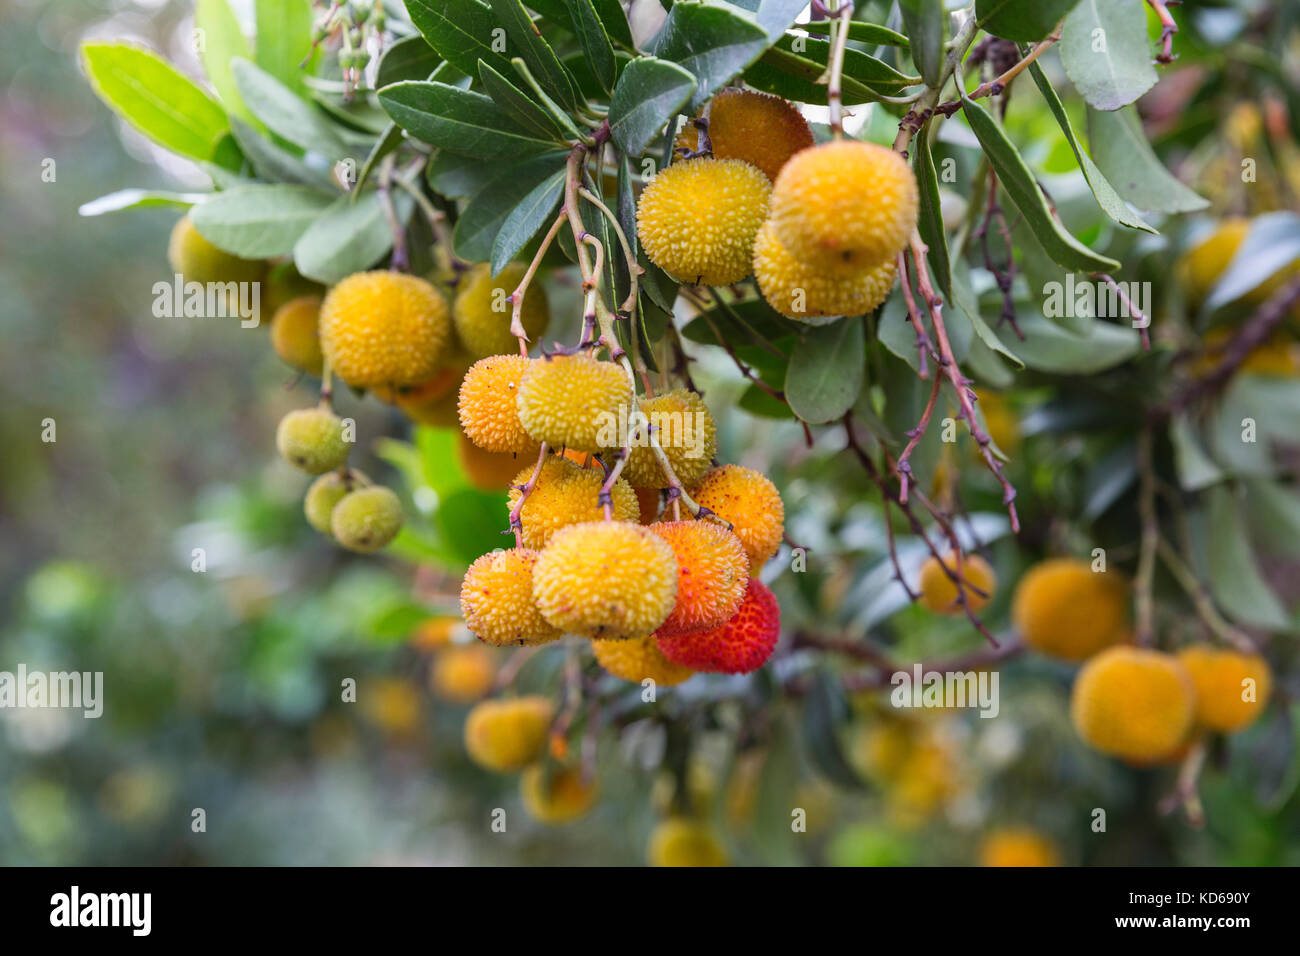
(367, 519)
(496, 598)
(926, 781)
(845, 205)
(434, 402)
(1202, 265)
(712, 575)
(566, 494)
(684, 428)
(327, 491)
(1133, 703)
(801, 290)
(486, 470)
(1018, 846)
(680, 841)
(882, 749)
(606, 579)
(488, 404)
(508, 735)
(312, 439)
(391, 704)
(463, 673)
(757, 128)
(294, 334)
(939, 593)
(697, 220)
(1063, 608)
(434, 633)
(483, 310)
(1000, 420)
(1277, 357)
(637, 660)
(751, 503)
(559, 797)
(384, 329)
(574, 401)
(1232, 689)
(198, 260)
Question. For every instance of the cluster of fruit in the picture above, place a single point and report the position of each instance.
(819, 226)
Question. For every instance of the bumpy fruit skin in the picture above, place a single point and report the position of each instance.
(756, 128)
(508, 735)
(1018, 846)
(488, 404)
(606, 579)
(680, 841)
(367, 519)
(496, 598)
(800, 290)
(464, 673)
(312, 439)
(198, 260)
(574, 401)
(294, 334)
(1063, 608)
(751, 503)
(741, 645)
(562, 798)
(486, 470)
(712, 572)
(1133, 703)
(566, 494)
(483, 330)
(939, 593)
(1202, 265)
(684, 428)
(1219, 677)
(384, 329)
(698, 219)
(327, 491)
(637, 660)
(845, 205)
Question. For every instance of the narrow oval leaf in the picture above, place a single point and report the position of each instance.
(529, 44)
(260, 221)
(595, 41)
(1234, 576)
(348, 237)
(713, 43)
(927, 28)
(458, 120)
(223, 40)
(155, 98)
(930, 221)
(1025, 20)
(138, 199)
(615, 21)
(284, 39)
(478, 225)
(410, 58)
(534, 212)
(826, 371)
(518, 104)
(647, 95)
(871, 33)
(1024, 191)
(1047, 347)
(272, 162)
(1106, 54)
(461, 31)
(285, 113)
(1122, 152)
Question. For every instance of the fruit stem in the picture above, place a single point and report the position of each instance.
(1167, 30)
(517, 296)
(634, 269)
(835, 67)
(399, 262)
(516, 523)
(902, 466)
(998, 84)
(1202, 601)
(926, 104)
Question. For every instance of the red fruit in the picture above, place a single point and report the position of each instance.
(741, 645)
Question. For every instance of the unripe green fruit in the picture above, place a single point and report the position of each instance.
(312, 439)
(327, 491)
(367, 519)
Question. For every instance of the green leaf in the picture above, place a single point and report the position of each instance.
(1274, 515)
(794, 75)
(285, 113)
(1122, 152)
(963, 296)
(348, 237)
(594, 40)
(1025, 193)
(824, 710)
(930, 221)
(284, 39)
(385, 145)
(1048, 347)
(870, 33)
(1024, 20)
(1109, 479)
(1271, 245)
(519, 105)
(1234, 576)
(774, 17)
(647, 95)
(1106, 54)
(713, 43)
(534, 212)
(410, 58)
(459, 120)
(155, 98)
(138, 199)
(536, 52)
(1195, 468)
(273, 163)
(478, 225)
(255, 222)
(615, 22)
(926, 22)
(471, 522)
(223, 40)
(1112, 204)
(458, 177)
(826, 371)
(461, 31)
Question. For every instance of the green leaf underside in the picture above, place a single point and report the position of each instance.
(826, 371)
(260, 221)
(1119, 72)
